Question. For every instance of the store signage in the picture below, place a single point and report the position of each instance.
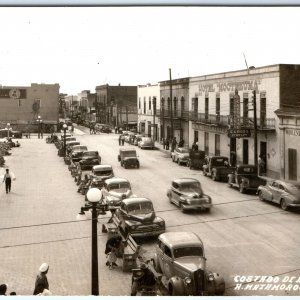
(238, 133)
(295, 132)
(13, 93)
(230, 86)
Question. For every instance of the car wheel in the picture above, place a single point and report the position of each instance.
(178, 161)
(229, 183)
(260, 196)
(207, 209)
(214, 176)
(241, 188)
(181, 208)
(283, 204)
(125, 166)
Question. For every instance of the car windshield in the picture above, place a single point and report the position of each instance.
(182, 150)
(188, 251)
(119, 186)
(219, 161)
(90, 154)
(103, 172)
(190, 187)
(129, 153)
(138, 208)
(80, 148)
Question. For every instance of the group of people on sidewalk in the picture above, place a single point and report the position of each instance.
(41, 287)
(173, 143)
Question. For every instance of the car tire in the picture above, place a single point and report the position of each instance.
(125, 166)
(207, 209)
(229, 183)
(181, 208)
(241, 188)
(138, 166)
(283, 204)
(214, 176)
(178, 161)
(260, 196)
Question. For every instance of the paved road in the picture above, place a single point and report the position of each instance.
(242, 235)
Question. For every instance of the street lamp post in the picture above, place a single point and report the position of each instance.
(94, 196)
(65, 126)
(8, 128)
(40, 132)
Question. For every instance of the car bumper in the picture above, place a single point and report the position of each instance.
(296, 205)
(196, 206)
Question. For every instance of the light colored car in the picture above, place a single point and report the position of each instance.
(187, 194)
(180, 155)
(137, 217)
(287, 194)
(146, 143)
(115, 190)
(137, 139)
(180, 257)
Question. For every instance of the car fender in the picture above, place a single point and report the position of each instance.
(176, 286)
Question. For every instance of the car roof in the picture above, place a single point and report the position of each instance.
(127, 149)
(115, 179)
(102, 167)
(180, 239)
(185, 180)
(135, 200)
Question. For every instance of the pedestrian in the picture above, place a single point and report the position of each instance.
(195, 146)
(91, 129)
(181, 143)
(120, 140)
(173, 144)
(41, 282)
(112, 246)
(167, 144)
(261, 165)
(233, 158)
(7, 179)
(164, 143)
(3, 288)
(116, 129)
(123, 140)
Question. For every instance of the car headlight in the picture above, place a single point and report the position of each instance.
(187, 280)
(133, 227)
(245, 181)
(211, 277)
(183, 199)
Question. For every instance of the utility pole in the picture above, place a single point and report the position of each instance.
(154, 112)
(255, 129)
(171, 106)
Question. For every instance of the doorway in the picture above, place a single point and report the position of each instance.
(263, 152)
(292, 156)
(245, 152)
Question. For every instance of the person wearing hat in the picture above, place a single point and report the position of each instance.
(41, 281)
(146, 281)
(3, 289)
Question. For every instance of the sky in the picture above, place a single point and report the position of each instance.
(82, 47)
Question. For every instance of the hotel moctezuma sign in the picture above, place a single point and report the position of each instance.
(295, 132)
(13, 93)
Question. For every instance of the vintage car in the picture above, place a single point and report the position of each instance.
(180, 155)
(245, 178)
(128, 158)
(137, 139)
(217, 167)
(115, 190)
(70, 145)
(146, 143)
(102, 172)
(137, 217)
(196, 159)
(187, 194)
(180, 257)
(89, 159)
(285, 193)
(77, 152)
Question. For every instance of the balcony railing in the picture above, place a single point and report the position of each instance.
(209, 118)
(177, 114)
(262, 123)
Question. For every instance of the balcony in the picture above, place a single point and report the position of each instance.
(263, 124)
(177, 114)
(209, 119)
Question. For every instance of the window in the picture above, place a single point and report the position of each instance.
(206, 106)
(292, 163)
(206, 143)
(139, 102)
(162, 104)
(217, 145)
(145, 105)
(169, 106)
(245, 108)
(175, 107)
(218, 107)
(182, 105)
(149, 103)
(168, 251)
(20, 102)
(263, 109)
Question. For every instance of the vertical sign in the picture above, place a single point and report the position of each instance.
(236, 110)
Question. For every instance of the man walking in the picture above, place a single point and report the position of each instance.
(41, 282)
(7, 180)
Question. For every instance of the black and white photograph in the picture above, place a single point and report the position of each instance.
(150, 151)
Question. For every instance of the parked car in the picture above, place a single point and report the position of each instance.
(89, 159)
(102, 172)
(77, 152)
(245, 178)
(115, 190)
(71, 144)
(137, 217)
(287, 194)
(217, 167)
(180, 257)
(180, 155)
(137, 139)
(146, 143)
(196, 159)
(187, 194)
(128, 158)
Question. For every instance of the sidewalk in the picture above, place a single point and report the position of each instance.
(38, 224)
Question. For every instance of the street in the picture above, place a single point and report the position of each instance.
(242, 236)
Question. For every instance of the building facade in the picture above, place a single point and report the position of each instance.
(116, 105)
(148, 106)
(23, 105)
(225, 101)
(174, 113)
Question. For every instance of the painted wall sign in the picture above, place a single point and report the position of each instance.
(295, 132)
(13, 93)
(231, 86)
(239, 133)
